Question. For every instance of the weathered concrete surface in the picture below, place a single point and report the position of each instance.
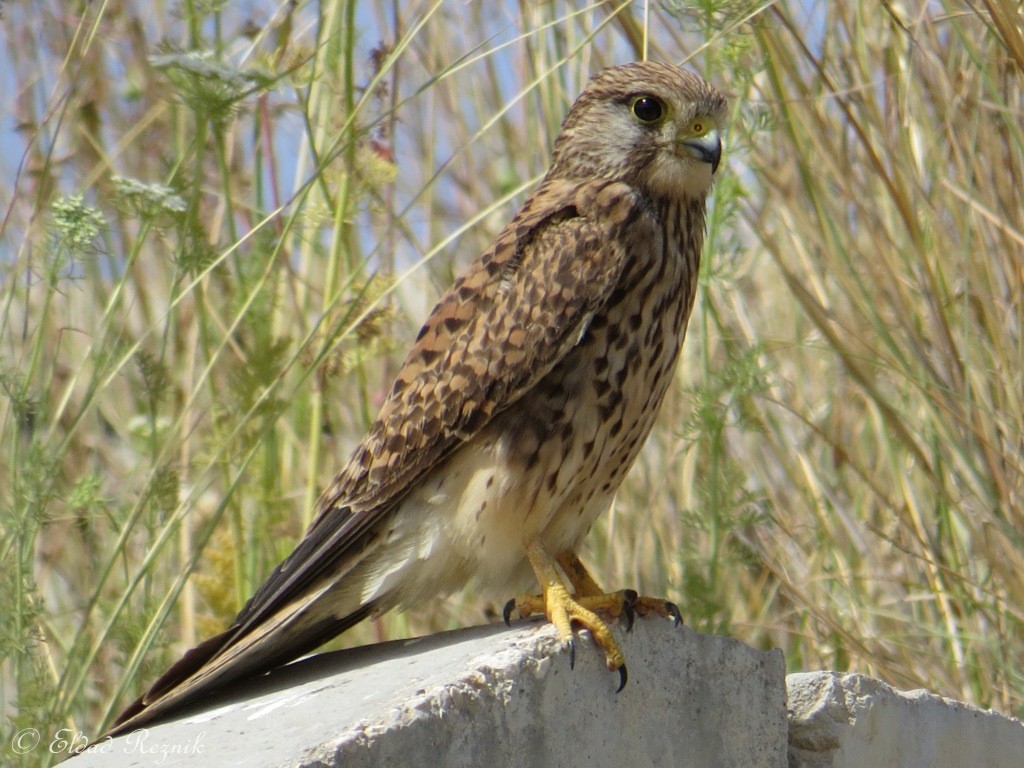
(852, 721)
(489, 696)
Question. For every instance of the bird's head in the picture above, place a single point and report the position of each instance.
(651, 125)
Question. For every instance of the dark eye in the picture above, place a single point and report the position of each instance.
(648, 109)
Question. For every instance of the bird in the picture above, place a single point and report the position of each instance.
(526, 397)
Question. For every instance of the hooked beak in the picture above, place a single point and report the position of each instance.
(706, 148)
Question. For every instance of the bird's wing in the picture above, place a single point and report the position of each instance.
(498, 330)
(495, 333)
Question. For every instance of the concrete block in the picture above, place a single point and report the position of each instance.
(852, 721)
(488, 696)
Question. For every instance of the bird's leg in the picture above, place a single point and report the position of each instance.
(582, 606)
(625, 602)
(582, 581)
(589, 593)
(562, 609)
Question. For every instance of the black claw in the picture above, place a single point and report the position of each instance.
(674, 614)
(623, 677)
(630, 616)
(627, 608)
(506, 612)
(570, 645)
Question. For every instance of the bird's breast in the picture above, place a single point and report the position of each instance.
(556, 458)
(552, 462)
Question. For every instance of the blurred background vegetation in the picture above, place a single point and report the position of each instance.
(221, 224)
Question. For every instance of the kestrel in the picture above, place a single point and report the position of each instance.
(522, 404)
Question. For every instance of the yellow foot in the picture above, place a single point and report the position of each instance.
(563, 608)
(625, 602)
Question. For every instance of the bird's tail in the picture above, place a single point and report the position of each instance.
(157, 700)
(239, 653)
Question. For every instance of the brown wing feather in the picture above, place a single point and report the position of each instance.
(493, 335)
(497, 331)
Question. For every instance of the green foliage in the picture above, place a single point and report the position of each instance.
(223, 237)
(155, 204)
(75, 224)
(208, 84)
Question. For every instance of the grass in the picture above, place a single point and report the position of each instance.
(219, 233)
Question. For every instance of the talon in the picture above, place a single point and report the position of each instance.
(629, 597)
(506, 612)
(673, 613)
(623, 677)
(581, 607)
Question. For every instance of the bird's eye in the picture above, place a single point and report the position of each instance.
(648, 109)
